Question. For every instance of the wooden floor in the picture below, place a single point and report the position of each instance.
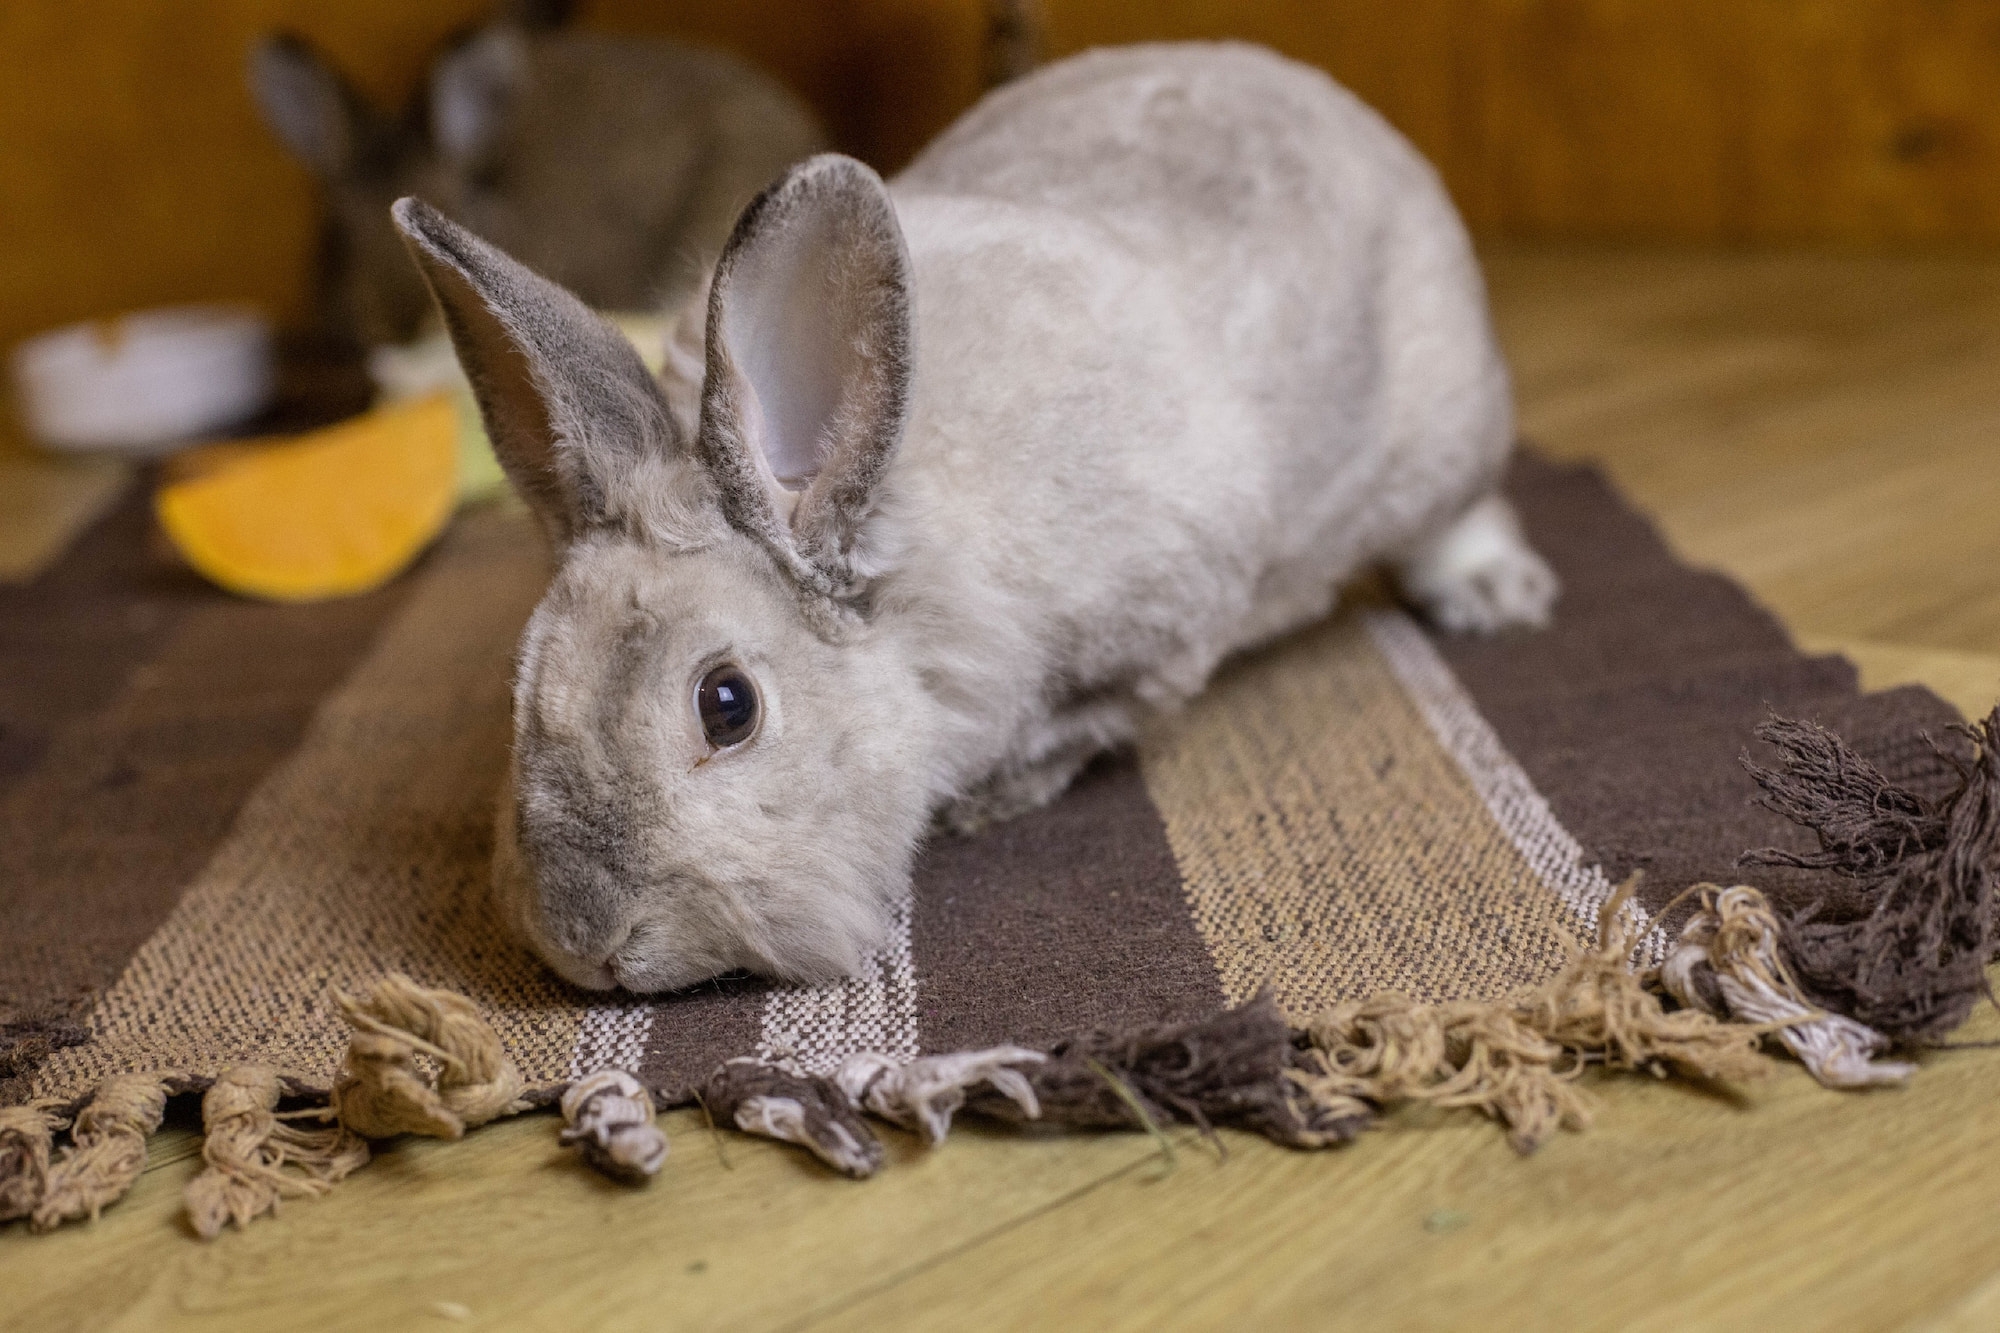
(1826, 429)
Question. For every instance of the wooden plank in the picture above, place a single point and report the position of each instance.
(510, 1227)
(1785, 1207)
(45, 502)
(1825, 428)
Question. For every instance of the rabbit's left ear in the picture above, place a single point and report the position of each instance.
(808, 368)
(572, 412)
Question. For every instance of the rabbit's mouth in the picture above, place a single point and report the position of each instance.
(590, 976)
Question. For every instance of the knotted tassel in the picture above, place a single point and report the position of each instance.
(1728, 963)
(382, 1092)
(107, 1150)
(254, 1159)
(779, 1103)
(923, 1094)
(27, 1134)
(609, 1118)
(1914, 966)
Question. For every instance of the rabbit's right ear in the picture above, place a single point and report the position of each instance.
(808, 369)
(571, 410)
(315, 111)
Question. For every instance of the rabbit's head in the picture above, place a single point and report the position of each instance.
(364, 161)
(448, 146)
(720, 761)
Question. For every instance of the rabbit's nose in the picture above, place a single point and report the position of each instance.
(584, 973)
(609, 965)
(593, 966)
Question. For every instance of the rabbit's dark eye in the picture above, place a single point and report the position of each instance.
(726, 700)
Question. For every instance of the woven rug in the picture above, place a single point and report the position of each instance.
(220, 816)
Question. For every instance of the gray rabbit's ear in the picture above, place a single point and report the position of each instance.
(570, 408)
(808, 372)
(317, 114)
(474, 90)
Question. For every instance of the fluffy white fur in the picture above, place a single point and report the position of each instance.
(1132, 369)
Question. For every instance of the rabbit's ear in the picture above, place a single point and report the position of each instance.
(809, 365)
(317, 114)
(571, 410)
(473, 93)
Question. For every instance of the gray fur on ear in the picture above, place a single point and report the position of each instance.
(808, 366)
(472, 98)
(571, 410)
(307, 103)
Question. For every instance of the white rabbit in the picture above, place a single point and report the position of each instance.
(1129, 371)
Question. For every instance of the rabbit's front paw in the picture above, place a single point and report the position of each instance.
(1480, 575)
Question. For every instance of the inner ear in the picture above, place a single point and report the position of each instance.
(809, 358)
(791, 335)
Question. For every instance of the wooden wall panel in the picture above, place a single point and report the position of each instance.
(1733, 120)
(133, 169)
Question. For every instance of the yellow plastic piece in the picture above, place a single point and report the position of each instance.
(330, 513)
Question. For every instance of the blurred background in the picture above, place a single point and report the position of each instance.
(135, 169)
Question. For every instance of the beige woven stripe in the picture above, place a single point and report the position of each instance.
(364, 852)
(1332, 848)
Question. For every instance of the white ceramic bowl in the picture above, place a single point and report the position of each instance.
(144, 382)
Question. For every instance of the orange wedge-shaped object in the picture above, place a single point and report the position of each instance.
(330, 513)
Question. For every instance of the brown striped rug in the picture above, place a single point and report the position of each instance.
(219, 815)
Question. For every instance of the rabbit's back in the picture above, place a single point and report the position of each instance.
(1177, 145)
(1198, 336)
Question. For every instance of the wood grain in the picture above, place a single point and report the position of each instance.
(1757, 404)
(1784, 1207)
(1826, 428)
(1701, 119)
(134, 169)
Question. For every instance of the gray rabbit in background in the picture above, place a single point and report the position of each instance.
(614, 165)
(967, 477)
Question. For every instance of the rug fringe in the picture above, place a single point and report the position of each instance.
(382, 1092)
(1517, 1059)
(922, 1095)
(1227, 1068)
(608, 1117)
(1837, 996)
(107, 1150)
(775, 1101)
(1728, 963)
(254, 1159)
(1914, 966)
(27, 1136)
(1230, 1068)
